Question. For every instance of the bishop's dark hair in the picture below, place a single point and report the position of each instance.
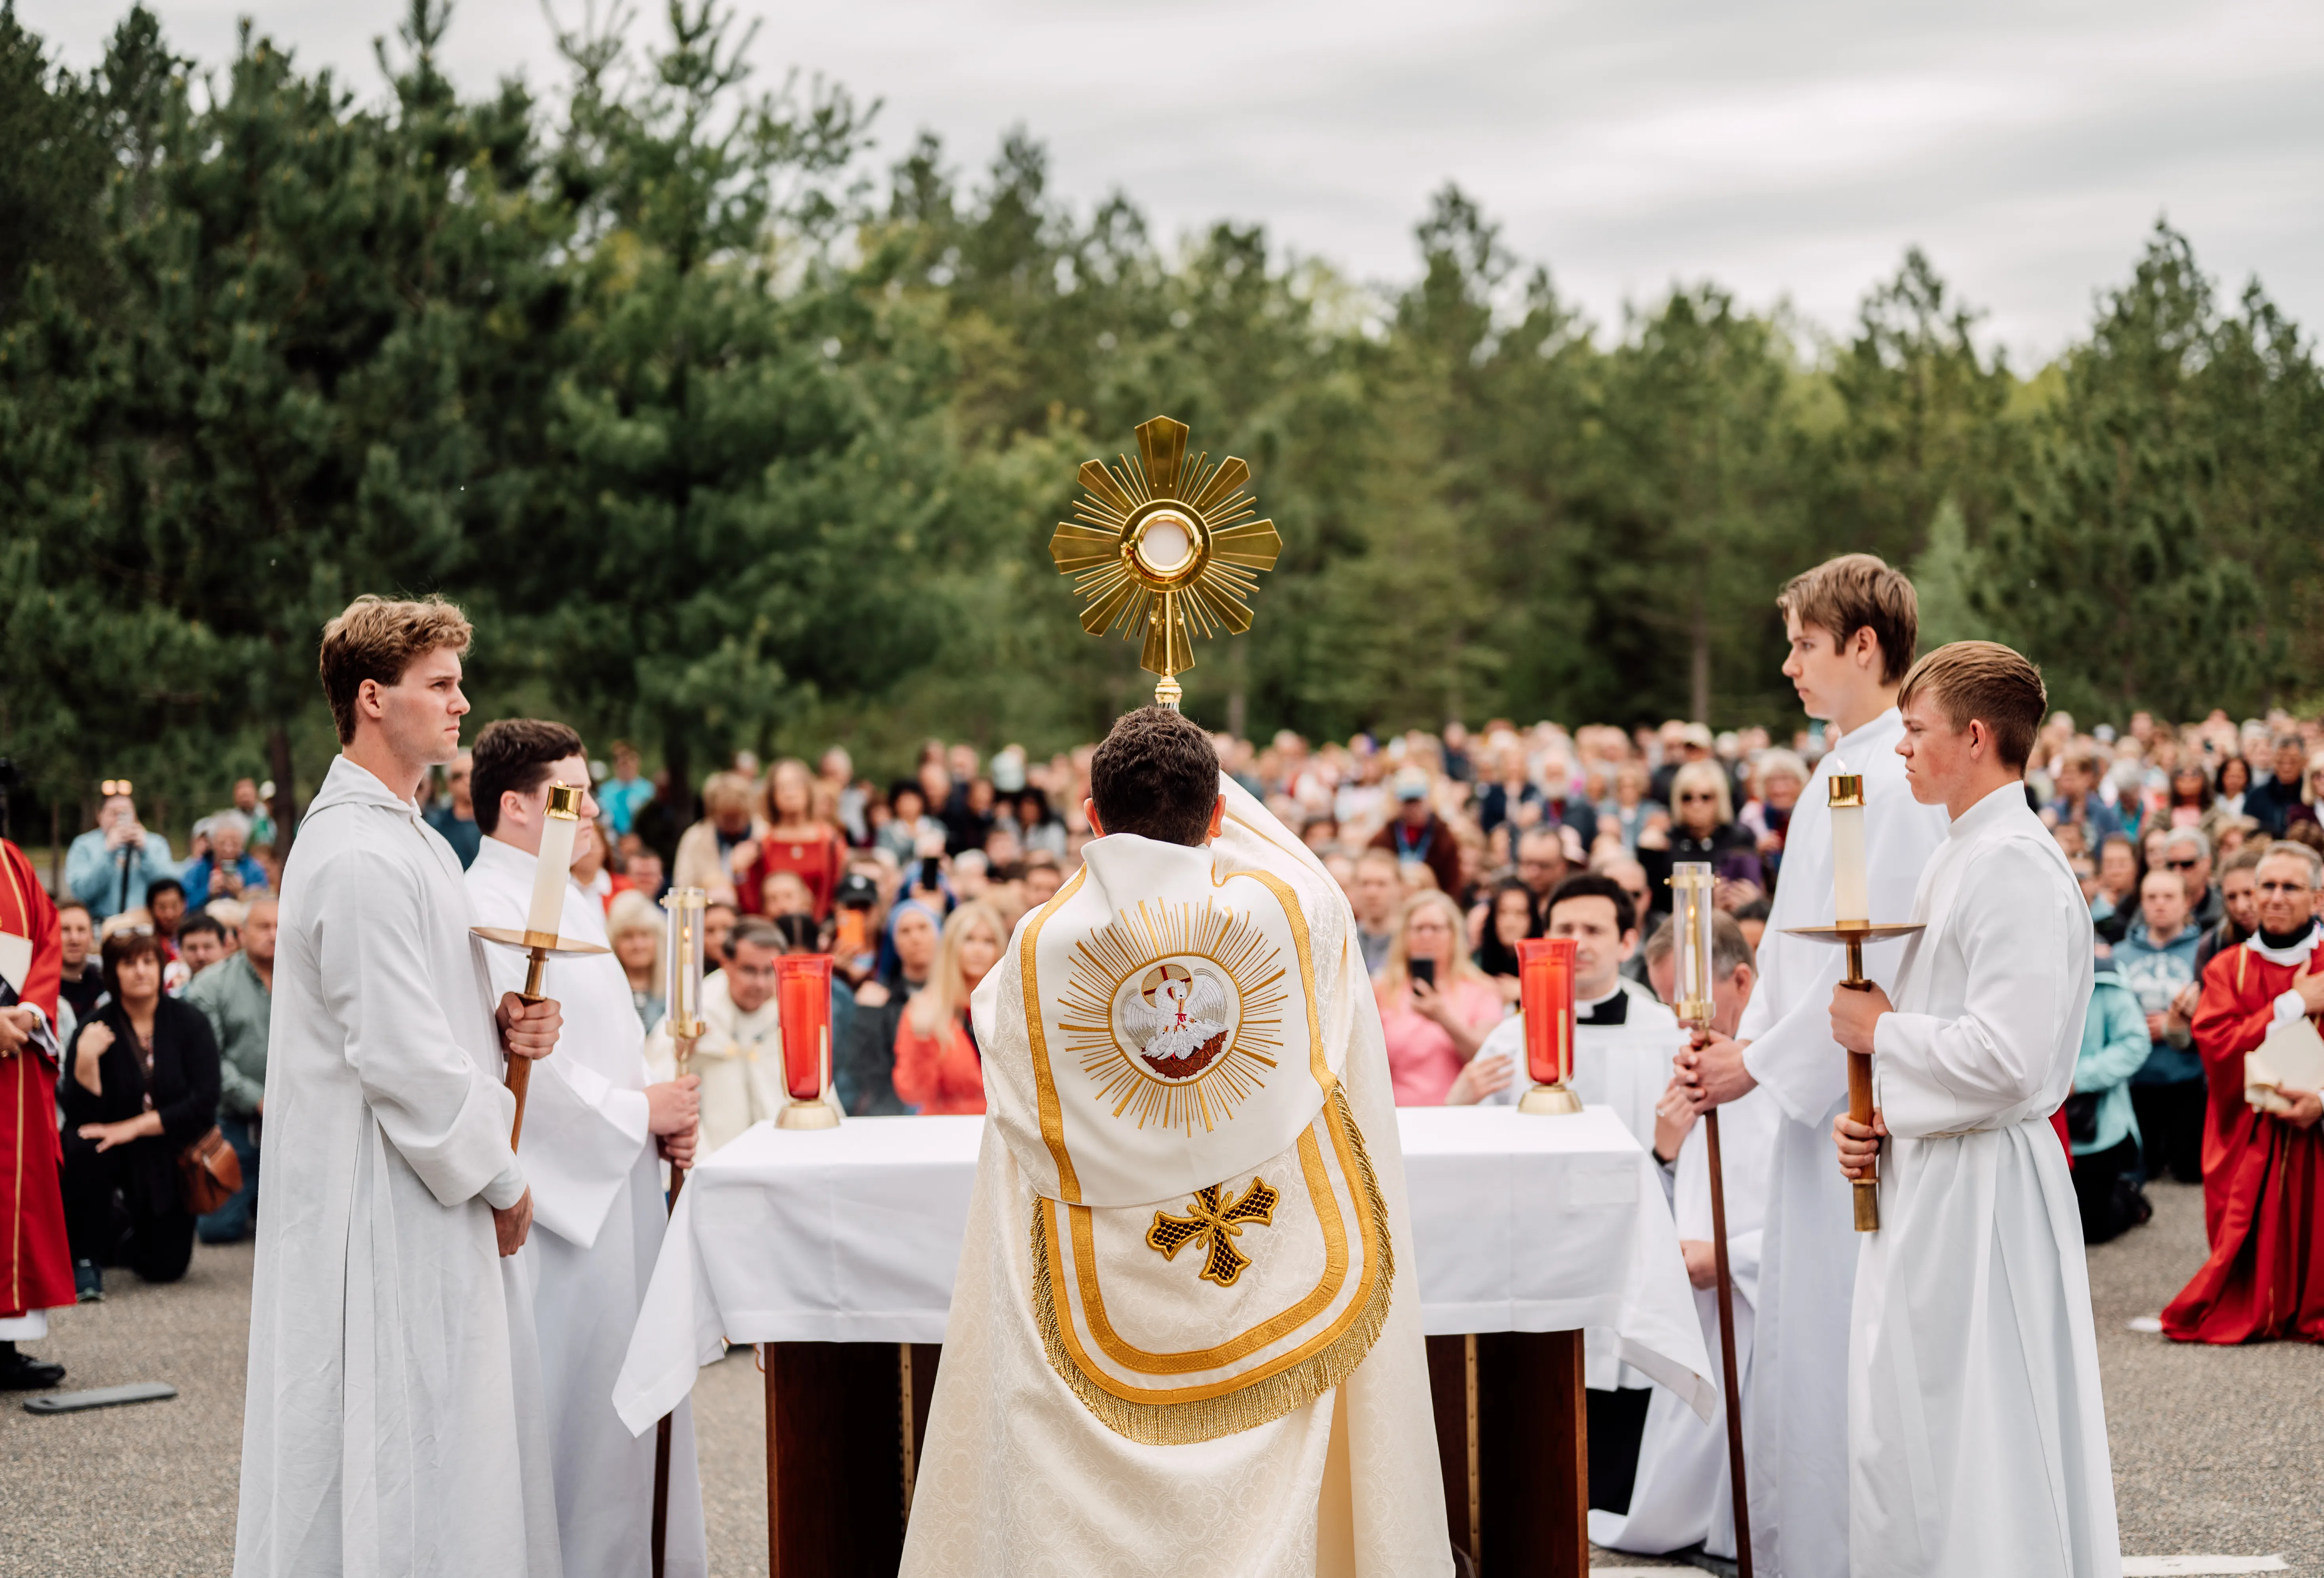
(1157, 776)
(514, 754)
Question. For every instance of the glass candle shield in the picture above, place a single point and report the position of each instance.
(1691, 884)
(1546, 994)
(682, 956)
(803, 994)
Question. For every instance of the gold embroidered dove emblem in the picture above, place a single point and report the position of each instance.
(1217, 1227)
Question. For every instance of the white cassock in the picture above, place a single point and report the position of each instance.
(1977, 1433)
(1796, 1449)
(597, 1218)
(1181, 1033)
(739, 1059)
(394, 1421)
(1681, 1495)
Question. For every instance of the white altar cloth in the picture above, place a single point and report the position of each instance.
(1522, 1224)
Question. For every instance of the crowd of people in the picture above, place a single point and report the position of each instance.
(1452, 847)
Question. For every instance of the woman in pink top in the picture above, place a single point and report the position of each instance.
(1433, 1028)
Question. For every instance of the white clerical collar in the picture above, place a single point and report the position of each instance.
(1850, 745)
(1990, 810)
(2295, 956)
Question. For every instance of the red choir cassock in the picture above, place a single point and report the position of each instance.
(2263, 1179)
(35, 1266)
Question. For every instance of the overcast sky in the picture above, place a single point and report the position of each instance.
(1786, 147)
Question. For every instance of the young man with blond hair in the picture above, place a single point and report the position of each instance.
(1852, 623)
(394, 1419)
(1976, 1432)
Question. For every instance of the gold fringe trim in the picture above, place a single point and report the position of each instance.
(1262, 1402)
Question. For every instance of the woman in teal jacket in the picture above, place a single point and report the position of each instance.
(2099, 1123)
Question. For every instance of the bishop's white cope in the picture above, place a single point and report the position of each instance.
(1977, 1435)
(597, 1222)
(1797, 1437)
(1179, 1021)
(394, 1421)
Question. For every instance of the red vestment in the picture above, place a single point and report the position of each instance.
(35, 1265)
(2263, 1179)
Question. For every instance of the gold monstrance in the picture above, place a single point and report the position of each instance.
(1165, 549)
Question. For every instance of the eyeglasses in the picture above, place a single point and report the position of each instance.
(1707, 799)
(2182, 865)
(114, 786)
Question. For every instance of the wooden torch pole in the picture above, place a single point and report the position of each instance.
(1730, 1379)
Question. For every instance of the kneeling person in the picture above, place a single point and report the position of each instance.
(1185, 1331)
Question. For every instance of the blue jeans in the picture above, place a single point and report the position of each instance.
(231, 1223)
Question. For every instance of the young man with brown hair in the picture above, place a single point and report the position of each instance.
(1852, 623)
(394, 1421)
(1976, 1431)
(596, 1130)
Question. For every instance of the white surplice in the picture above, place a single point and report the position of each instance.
(598, 1218)
(394, 1422)
(1977, 1433)
(1681, 1495)
(1796, 1449)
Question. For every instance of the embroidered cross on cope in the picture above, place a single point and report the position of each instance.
(1217, 1227)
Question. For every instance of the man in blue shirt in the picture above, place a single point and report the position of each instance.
(2156, 963)
(624, 794)
(108, 867)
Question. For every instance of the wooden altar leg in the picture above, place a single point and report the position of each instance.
(1533, 1430)
(835, 1482)
(1453, 1397)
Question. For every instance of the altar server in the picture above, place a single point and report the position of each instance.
(596, 1133)
(1682, 1494)
(2262, 1153)
(394, 1422)
(35, 1263)
(1977, 1435)
(1852, 623)
(1184, 1337)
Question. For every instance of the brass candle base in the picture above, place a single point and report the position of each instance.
(819, 1113)
(1549, 1098)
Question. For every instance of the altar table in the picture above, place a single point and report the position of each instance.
(836, 1248)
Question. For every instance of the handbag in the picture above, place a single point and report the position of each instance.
(209, 1174)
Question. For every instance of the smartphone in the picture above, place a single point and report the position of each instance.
(931, 872)
(1424, 970)
(850, 941)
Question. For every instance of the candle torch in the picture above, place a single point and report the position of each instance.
(1852, 926)
(1693, 954)
(559, 827)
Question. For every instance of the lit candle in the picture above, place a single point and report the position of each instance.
(1545, 995)
(1691, 883)
(682, 961)
(1851, 889)
(803, 1013)
(557, 829)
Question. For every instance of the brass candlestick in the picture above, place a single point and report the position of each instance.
(1845, 795)
(1165, 550)
(564, 801)
(1693, 884)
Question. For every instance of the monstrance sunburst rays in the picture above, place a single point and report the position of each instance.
(1165, 549)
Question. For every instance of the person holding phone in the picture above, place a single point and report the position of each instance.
(1435, 1005)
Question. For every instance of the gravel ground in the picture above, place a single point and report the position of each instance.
(2211, 1445)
